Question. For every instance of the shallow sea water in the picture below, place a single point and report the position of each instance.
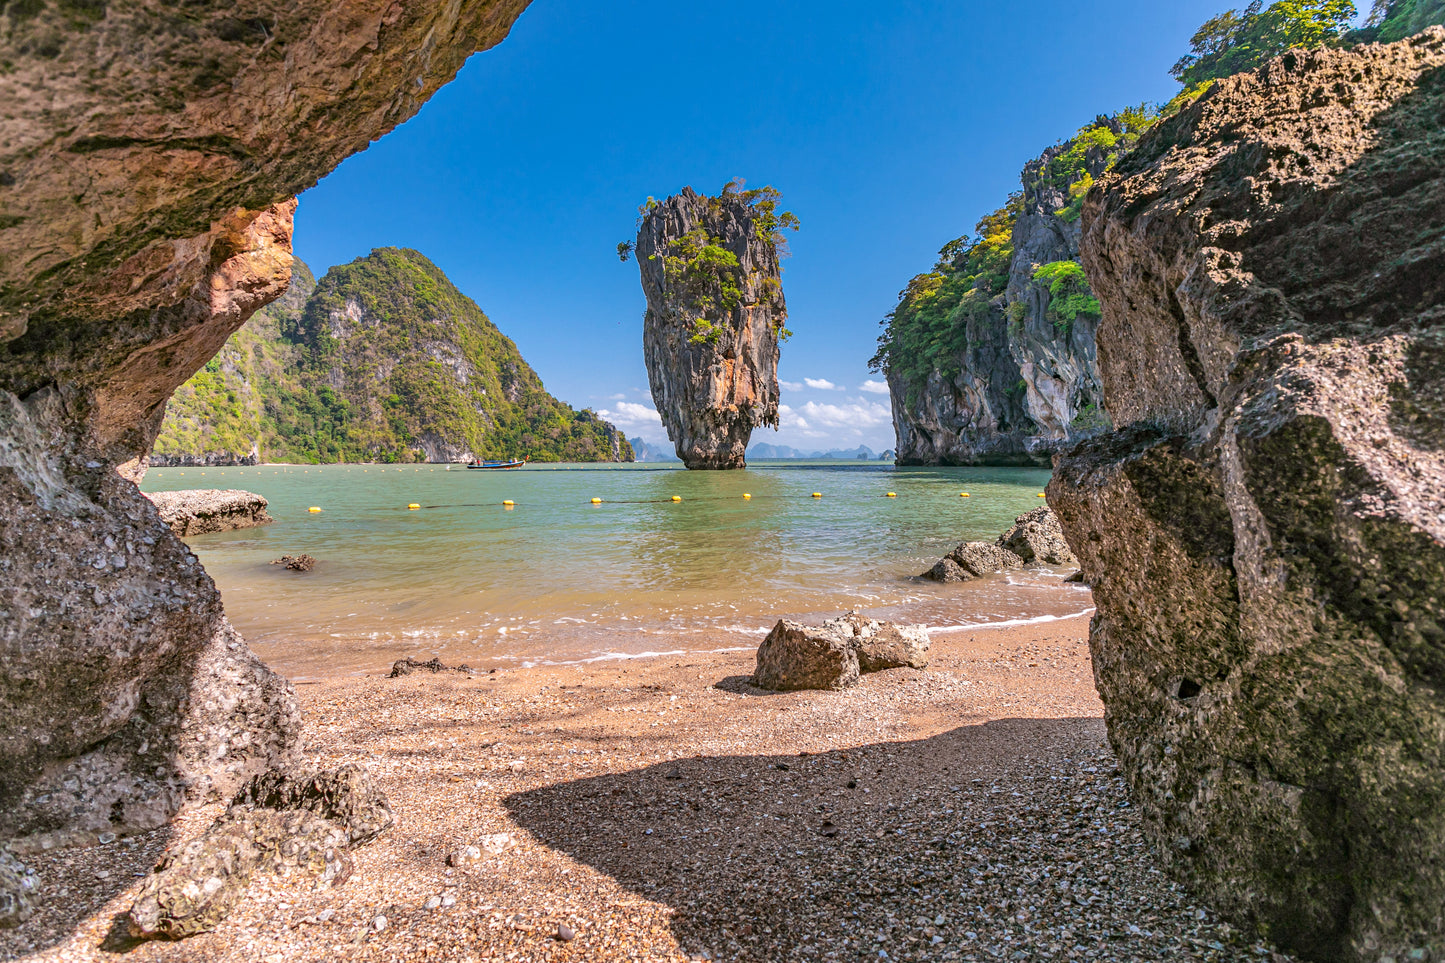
(557, 579)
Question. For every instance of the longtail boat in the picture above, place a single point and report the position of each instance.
(499, 464)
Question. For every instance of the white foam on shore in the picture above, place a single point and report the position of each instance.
(627, 656)
(1007, 623)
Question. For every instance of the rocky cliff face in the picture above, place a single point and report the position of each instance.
(148, 159)
(1265, 535)
(1015, 377)
(715, 311)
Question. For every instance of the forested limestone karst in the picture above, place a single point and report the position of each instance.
(382, 360)
(990, 356)
(149, 159)
(715, 316)
(1265, 531)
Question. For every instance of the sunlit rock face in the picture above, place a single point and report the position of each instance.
(149, 157)
(1265, 534)
(712, 359)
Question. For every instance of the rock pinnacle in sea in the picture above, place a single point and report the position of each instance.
(715, 314)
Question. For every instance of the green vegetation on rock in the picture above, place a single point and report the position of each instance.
(1239, 40)
(385, 360)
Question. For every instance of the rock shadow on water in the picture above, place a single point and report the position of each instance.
(1012, 839)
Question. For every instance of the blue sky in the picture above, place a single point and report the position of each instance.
(889, 127)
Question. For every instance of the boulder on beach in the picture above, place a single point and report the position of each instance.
(797, 656)
(883, 645)
(1038, 539)
(278, 823)
(296, 563)
(204, 511)
(831, 656)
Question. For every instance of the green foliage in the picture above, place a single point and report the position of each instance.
(624, 251)
(1091, 418)
(928, 330)
(1096, 147)
(1069, 294)
(1239, 40)
(1392, 20)
(706, 278)
(385, 353)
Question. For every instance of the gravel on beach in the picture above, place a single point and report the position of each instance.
(664, 809)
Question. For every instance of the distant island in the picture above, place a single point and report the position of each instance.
(382, 360)
(762, 451)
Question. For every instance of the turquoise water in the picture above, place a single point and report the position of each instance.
(556, 578)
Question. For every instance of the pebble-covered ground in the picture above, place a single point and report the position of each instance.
(665, 810)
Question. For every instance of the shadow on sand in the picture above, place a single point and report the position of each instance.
(985, 842)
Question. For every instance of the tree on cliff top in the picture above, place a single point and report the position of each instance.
(1239, 40)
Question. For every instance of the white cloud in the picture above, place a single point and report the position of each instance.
(874, 387)
(629, 414)
(791, 385)
(821, 384)
(618, 397)
(857, 415)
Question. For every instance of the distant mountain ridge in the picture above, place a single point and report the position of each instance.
(383, 359)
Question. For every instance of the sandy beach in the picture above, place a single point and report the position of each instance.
(663, 809)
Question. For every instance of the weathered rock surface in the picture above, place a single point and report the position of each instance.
(1025, 386)
(712, 358)
(1035, 538)
(296, 563)
(409, 665)
(17, 888)
(883, 645)
(278, 823)
(1265, 536)
(145, 218)
(1038, 539)
(203, 511)
(795, 656)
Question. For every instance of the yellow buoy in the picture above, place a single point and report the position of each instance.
(597, 501)
(313, 509)
(677, 498)
(963, 494)
(1042, 495)
(817, 494)
(746, 495)
(892, 494)
(413, 507)
(509, 503)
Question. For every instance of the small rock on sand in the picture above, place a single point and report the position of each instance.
(296, 563)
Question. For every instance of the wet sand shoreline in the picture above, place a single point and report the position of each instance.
(665, 810)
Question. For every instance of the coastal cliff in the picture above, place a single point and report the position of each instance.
(1265, 533)
(382, 360)
(990, 357)
(715, 314)
(154, 210)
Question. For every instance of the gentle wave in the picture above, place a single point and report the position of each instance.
(1006, 623)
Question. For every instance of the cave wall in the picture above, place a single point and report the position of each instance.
(1265, 533)
(149, 157)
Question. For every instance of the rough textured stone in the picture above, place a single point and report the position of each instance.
(1265, 536)
(883, 645)
(278, 823)
(203, 511)
(153, 208)
(796, 656)
(296, 563)
(947, 570)
(409, 665)
(711, 395)
(978, 559)
(1037, 538)
(17, 889)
